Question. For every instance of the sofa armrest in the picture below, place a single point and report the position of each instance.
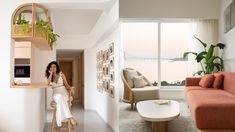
(192, 81)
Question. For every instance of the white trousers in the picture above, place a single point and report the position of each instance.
(60, 96)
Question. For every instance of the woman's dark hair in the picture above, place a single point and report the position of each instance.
(47, 73)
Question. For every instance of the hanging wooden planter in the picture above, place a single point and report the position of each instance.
(24, 25)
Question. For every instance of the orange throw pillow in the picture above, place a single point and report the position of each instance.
(206, 81)
(218, 81)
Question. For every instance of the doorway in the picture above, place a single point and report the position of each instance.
(67, 68)
(72, 65)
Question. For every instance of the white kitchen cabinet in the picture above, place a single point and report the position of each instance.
(22, 50)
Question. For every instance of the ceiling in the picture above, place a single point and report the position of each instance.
(78, 17)
(69, 22)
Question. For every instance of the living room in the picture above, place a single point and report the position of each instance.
(156, 37)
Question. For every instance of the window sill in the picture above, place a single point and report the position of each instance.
(172, 89)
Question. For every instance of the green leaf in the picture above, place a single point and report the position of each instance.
(198, 73)
(187, 53)
(203, 43)
(218, 66)
(210, 52)
(211, 60)
(201, 56)
(220, 45)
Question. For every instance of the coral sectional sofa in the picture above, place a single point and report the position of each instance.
(212, 108)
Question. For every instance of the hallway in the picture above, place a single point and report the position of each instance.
(88, 121)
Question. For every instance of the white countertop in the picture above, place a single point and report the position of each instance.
(151, 111)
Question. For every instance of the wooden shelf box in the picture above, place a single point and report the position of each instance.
(31, 32)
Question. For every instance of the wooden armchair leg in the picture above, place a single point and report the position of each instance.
(69, 127)
(132, 106)
(53, 123)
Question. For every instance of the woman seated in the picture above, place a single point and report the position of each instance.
(57, 80)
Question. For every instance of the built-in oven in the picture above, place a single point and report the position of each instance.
(22, 74)
(22, 71)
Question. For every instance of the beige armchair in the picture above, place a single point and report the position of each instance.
(132, 94)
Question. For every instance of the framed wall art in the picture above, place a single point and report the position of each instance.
(111, 91)
(105, 70)
(111, 76)
(111, 49)
(111, 62)
(229, 17)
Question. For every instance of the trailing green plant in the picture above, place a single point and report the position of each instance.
(208, 60)
(47, 31)
(24, 23)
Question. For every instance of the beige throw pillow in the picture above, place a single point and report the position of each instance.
(139, 82)
(129, 75)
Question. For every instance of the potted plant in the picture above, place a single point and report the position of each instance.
(22, 26)
(208, 60)
(45, 30)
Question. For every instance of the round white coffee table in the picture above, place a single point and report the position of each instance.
(158, 114)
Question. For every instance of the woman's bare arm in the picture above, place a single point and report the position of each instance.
(66, 82)
(49, 79)
(68, 87)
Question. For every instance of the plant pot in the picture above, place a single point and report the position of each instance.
(22, 30)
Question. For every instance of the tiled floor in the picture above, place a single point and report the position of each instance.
(88, 121)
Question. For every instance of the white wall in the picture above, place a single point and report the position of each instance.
(169, 8)
(22, 109)
(228, 38)
(102, 103)
(40, 61)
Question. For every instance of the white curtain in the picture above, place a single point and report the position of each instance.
(207, 31)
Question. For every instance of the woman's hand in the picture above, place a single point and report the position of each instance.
(50, 72)
(72, 92)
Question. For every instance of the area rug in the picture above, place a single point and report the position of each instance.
(130, 121)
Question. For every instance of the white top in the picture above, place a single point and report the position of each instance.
(150, 110)
(59, 82)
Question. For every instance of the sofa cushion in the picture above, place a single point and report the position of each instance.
(192, 81)
(229, 82)
(218, 80)
(129, 75)
(206, 81)
(212, 109)
(139, 82)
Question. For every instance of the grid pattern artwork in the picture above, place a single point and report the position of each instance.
(105, 70)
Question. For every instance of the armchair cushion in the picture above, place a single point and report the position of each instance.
(145, 93)
(129, 74)
(139, 82)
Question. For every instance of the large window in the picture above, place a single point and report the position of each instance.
(140, 46)
(160, 61)
(175, 39)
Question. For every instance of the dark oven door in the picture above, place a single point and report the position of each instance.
(22, 71)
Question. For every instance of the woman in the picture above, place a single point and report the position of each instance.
(60, 86)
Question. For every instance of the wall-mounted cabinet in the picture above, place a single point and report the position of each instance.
(31, 22)
(22, 50)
